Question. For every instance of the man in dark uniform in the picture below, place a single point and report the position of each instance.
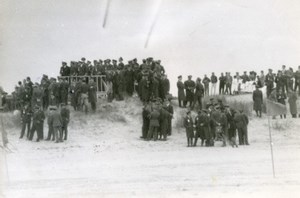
(165, 116)
(26, 114)
(154, 124)
(189, 128)
(50, 123)
(146, 120)
(93, 94)
(206, 82)
(257, 97)
(129, 79)
(189, 89)
(64, 91)
(219, 122)
(57, 126)
(65, 69)
(297, 80)
(37, 124)
(65, 116)
(222, 80)
(231, 125)
(241, 122)
(145, 89)
(181, 94)
(202, 122)
(269, 81)
(199, 93)
(170, 109)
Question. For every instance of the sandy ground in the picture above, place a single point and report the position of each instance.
(104, 157)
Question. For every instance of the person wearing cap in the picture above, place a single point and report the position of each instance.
(228, 83)
(57, 125)
(170, 109)
(64, 90)
(229, 112)
(84, 90)
(281, 97)
(213, 80)
(202, 122)
(92, 94)
(144, 87)
(199, 93)
(257, 97)
(189, 86)
(189, 128)
(241, 122)
(146, 121)
(181, 94)
(165, 115)
(218, 124)
(26, 114)
(37, 124)
(164, 86)
(280, 81)
(292, 100)
(206, 82)
(50, 123)
(37, 96)
(245, 78)
(154, 124)
(65, 116)
(222, 81)
(269, 81)
(65, 69)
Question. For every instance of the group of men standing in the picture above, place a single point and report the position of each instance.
(216, 122)
(147, 80)
(279, 88)
(157, 120)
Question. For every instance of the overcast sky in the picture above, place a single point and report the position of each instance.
(190, 36)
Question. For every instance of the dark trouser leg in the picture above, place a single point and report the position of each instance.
(196, 138)
(33, 129)
(28, 128)
(245, 131)
(155, 133)
(240, 134)
(42, 131)
(23, 129)
(60, 134)
(65, 131)
(150, 133)
(169, 132)
(56, 134)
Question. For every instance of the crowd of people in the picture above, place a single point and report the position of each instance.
(78, 85)
(216, 122)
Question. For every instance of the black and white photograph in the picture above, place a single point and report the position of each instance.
(149, 98)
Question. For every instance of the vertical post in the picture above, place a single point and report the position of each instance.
(271, 145)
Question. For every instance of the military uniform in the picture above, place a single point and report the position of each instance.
(65, 115)
(26, 114)
(202, 122)
(38, 123)
(57, 126)
(241, 122)
(189, 89)
(181, 94)
(154, 125)
(189, 129)
(93, 95)
(257, 101)
(269, 81)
